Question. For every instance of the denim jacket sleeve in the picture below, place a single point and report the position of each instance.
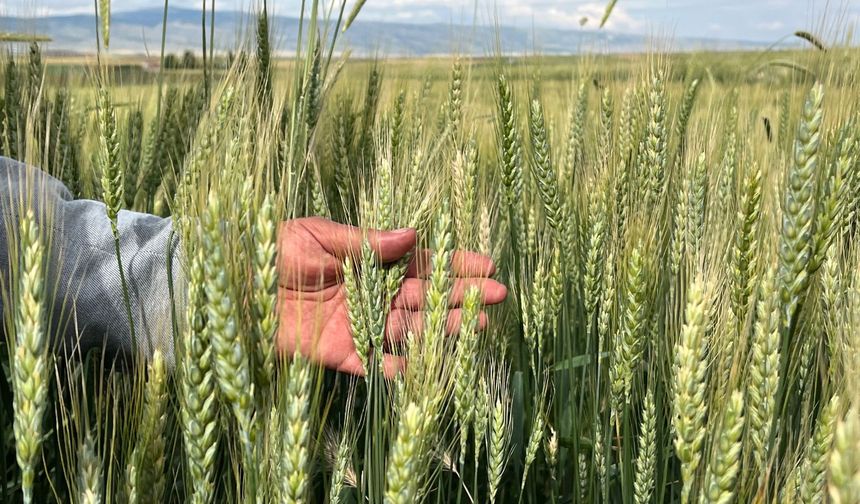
(83, 288)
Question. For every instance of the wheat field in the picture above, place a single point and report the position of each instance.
(677, 234)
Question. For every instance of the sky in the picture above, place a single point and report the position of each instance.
(759, 20)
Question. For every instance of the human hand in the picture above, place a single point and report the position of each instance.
(312, 297)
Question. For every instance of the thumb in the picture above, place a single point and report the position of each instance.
(342, 240)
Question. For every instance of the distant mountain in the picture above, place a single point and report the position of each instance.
(136, 32)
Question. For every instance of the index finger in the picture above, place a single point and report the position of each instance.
(464, 264)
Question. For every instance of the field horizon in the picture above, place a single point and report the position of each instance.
(74, 33)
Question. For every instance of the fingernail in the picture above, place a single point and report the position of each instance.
(402, 231)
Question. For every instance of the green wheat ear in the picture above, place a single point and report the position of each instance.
(745, 251)
(265, 290)
(356, 313)
(109, 157)
(844, 486)
(455, 100)
(763, 377)
(536, 436)
(438, 291)
(402, 484)
(654, 145)
(343, 474)
(690, 383)
(830, 218)
(599, 452)
(542, 167)
(605, 131)
(112, 173)
(464, 189)
(231, 360)
(90, 487)
(498, 443)
(104, 18)
(466, 371)
(725, 462)
(575, 151)
(296, 429)
(630, 340)
(684, 114)
(647, 458)
(813, 469)
(31, 365)
(199, 406)
(510, 154)
(795, 249)
(264, 57)
(145, 478)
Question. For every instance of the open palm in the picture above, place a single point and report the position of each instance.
(312, 298)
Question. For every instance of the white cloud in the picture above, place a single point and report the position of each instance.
(566, 14)
(620, 19)
(770, 25)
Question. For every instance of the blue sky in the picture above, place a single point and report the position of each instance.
(727, 19)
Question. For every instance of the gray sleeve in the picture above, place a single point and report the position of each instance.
(83, 288)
